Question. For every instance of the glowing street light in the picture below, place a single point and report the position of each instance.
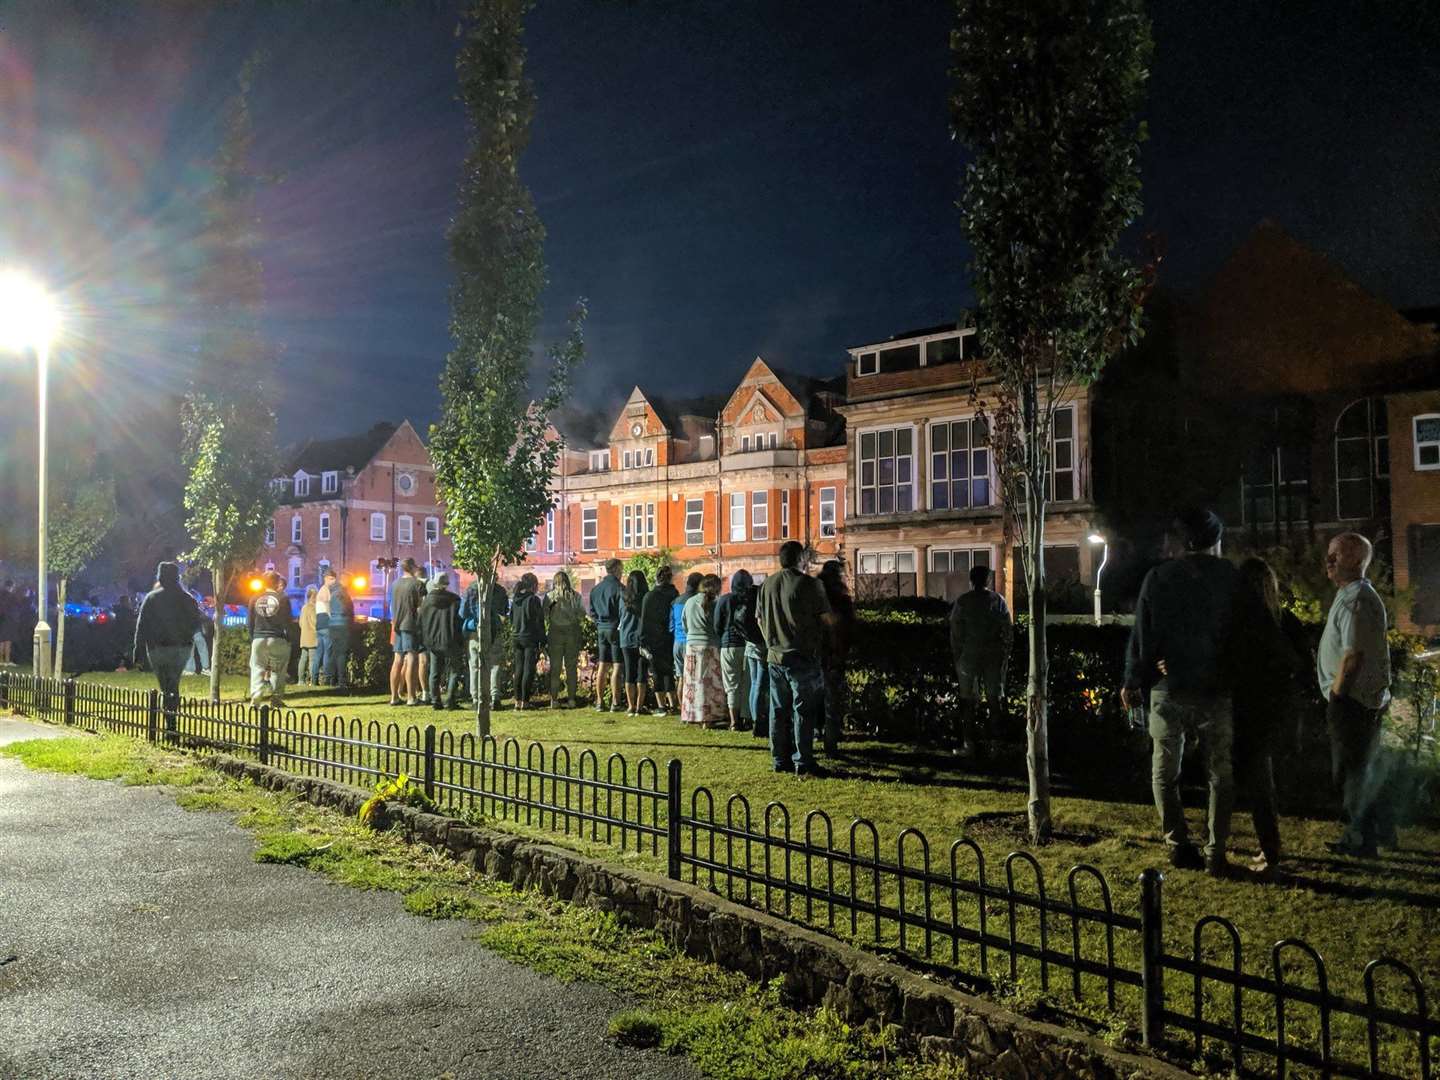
(1097, 538)
(29, 319)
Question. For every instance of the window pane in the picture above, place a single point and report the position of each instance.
(867, 474)
(905, 562)
(939, 496)
(902, 470)
(1064, 486)
(1064, 423)
(981, 463)
(1352, 459)
(867, 445)
(940, 438)
(980, 557)
(938, 467)
(1430, 455)
(1354, 498)
(1382, 456)
(1063, 455)
(902, 440)
(980, 489)
(962, 435)
(940, 561)
(943, 351)
(867, 501)
(1354, 422)
(887, 471)
(901, 358)
(904, 499)
(887, 444)
(887, 500)
(1427, 429)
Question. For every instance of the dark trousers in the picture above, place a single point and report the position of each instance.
(797, 698)
(445, 669)
(526, 657)
(168, 661)
(337, 636)
(1354, 759)
(1255, 776)
(759, 672)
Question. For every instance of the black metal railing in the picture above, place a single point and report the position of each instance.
(945, 906)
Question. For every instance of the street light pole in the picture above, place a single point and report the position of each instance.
(42, 628)
(1096, 538)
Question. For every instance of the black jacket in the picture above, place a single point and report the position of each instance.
(270, 616)
(655, 618)
(438, 619)
(168, 616)
(734, 610)
(527, 619)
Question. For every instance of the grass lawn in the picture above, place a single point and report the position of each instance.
(1350, 911)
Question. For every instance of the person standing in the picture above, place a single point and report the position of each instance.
(270, 622)
(308, 637)
(677, 627)
(337, 632)
(794, 613)
(165, 633)
(1181, 651)
(835, 660)
(320, 661)
(408, 595)
(980, 638)
(702, 702)
(527, 627)
(1353, 668)
(656, 640)
(636, 669)
(498, 610)
(563, 616)
(437, 622)
(605, 601)
(731, 613)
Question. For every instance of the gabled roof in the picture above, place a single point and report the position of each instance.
(317, 456)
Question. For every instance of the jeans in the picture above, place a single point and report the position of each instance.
(526, 657)
(201, 649)
(733, 674)
(1354, 765)
(308, 660)
(497, 672)
(320, 661)
(797, 695)
(337, 652)
(445, 668)
(563, 649)
(836, 699)
(268, 656)
(677, 654)
(1172, 718)
(759, 674)
(167, 662)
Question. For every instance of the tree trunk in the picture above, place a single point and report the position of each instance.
(481, 693)
(1037, 688)
(60, 588)
(218, 582)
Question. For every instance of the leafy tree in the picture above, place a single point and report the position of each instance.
(493, 449)
(82, 511)
(1045, 97)
(649, 563)
(227, 428)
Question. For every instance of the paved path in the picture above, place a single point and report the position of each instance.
(147, 942)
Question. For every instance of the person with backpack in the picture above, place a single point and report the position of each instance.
(732, 611)
(563, 616)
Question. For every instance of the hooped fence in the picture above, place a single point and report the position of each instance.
(947, 908)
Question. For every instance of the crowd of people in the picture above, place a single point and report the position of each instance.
(17, 620)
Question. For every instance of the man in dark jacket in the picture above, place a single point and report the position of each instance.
(438, 620)
(337, 632)
(656, 639)
(408, 595)
(732, 612)
(165, 632)
(271, 623)
(605, 600)
(980, 638)
(1182, 650)
(499, 607)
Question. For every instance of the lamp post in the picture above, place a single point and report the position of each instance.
(29, 320)
(1096, 538)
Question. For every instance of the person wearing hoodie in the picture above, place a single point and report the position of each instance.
(563, 615)
(731, 612)
(677, 627)
(636, 668)
(527, 625)
(605, 600)
(270, 622)
(437, 624)
(165, 633)
(657, 640)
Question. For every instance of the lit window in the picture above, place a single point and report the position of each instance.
(827, 511)
(432, 530)
(887, 562)
(785, 515)
(377, 526)
(959, 465)
(694, 521)
(405, 529)
(737, 515)
(550, 531)
(329, 483)
(590, 529)
(302, 485)
(296, 530)
(270, 533)
(759, 515)
(1426, 431)
(887, 471)
(324, 528)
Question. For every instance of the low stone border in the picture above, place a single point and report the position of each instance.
(815, 969)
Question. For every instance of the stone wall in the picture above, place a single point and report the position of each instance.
(815, 969)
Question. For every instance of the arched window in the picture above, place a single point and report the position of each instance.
(1362, 460)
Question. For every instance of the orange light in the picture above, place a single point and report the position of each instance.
(358, 581)
(256, 584)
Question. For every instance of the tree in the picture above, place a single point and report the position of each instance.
(1045, 98)
(82, 511)
(227, 428)
(492, 448)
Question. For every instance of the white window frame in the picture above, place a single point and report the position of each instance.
(744, 444)
(629, 459)
(599, 460)
(784, 515)
(302, 485)
(432, 530)
(627, 532)
(329, 482)
(969, 549)
(377, 535)
(735, 521)
(1074, 441)
(649, 525)
(589, 528)
(914, 485)
(874, 357)
(405, 529)
(649, 456)
(828, 529)
(773, 440)
(324, 528)
(550, 531)
(760, 515)
(270, 533)
(967, 418)
(893, 554)
(694, 536)
(295, 579)
(1415, 441)
(297, 529)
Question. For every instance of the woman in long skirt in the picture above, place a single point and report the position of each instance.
(702, 700)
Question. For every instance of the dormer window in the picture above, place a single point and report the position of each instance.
(599, 460)
(329, 482)
(867, 364)
(302, 485)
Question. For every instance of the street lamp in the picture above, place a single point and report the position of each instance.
(1097, 538)
(29, 319)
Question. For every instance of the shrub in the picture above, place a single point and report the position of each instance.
(367, 667)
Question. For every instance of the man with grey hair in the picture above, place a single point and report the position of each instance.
(1353, 667)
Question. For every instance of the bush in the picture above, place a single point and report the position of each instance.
(367, 667)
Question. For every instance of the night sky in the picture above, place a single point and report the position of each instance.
(720, 179)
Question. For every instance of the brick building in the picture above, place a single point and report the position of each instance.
(922, 506)
(348, 502)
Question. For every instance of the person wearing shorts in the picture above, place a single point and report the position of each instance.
(605, 602)
(405, 615)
